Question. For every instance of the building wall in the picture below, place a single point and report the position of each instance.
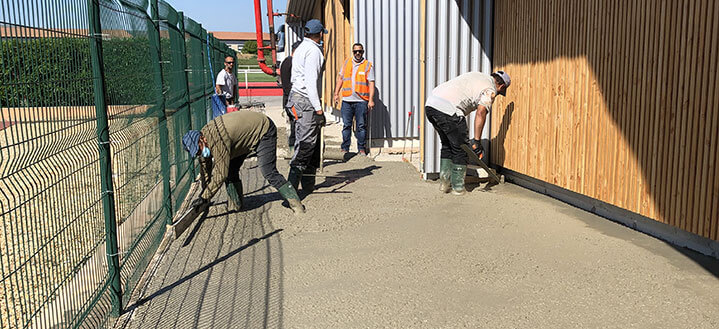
(615, 100)
(457, 41)
(390, 33)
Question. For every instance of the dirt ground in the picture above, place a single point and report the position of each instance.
(381, 248)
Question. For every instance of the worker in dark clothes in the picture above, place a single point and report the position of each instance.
(446, 108)
(224, 143)
(286, 78)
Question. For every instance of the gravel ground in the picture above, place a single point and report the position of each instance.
(381, 248)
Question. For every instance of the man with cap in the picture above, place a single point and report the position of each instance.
(304, 101)
(286, 78)
(224, 143)
(446, 109)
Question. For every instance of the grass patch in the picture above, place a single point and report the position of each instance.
(254, 77)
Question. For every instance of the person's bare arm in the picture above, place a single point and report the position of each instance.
(338, 83)
(370, 103)
(479, 119)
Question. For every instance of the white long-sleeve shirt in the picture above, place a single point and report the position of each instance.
(306, 76)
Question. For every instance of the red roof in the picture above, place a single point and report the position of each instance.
(238, 35)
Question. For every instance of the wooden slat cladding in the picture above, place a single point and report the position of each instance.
(616, 100)
(338, 47)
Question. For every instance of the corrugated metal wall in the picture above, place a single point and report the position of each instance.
(456, 31)
(390, 32)
(293, 32)
(615, 100)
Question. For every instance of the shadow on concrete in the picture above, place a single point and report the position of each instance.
(228, 274)
(344, 178)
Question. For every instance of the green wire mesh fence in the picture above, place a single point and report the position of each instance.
(94, 98)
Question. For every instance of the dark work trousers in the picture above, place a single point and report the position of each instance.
(358, 111)
(307, 133)
(291, 135)
(266, 151)
(453, 132)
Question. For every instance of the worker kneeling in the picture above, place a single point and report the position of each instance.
(224, 143)
(446, 109)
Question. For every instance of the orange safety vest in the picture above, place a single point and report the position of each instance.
(361, 83)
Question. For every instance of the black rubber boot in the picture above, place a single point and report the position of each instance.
(294, 177)
(308, 182)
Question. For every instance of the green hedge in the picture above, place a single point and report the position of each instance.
(57, 71)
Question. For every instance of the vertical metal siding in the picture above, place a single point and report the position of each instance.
(456, 37)
(389, 30)
(293, 32)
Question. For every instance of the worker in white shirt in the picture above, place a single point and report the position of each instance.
(305, 103)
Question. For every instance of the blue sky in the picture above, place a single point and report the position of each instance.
(228, 15)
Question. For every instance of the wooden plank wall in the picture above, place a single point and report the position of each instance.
(338, 44)
(616, 100)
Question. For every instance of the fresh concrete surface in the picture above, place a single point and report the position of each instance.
(384, 249)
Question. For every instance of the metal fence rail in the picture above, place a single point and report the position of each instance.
(94, 98)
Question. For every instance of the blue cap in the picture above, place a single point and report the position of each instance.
(314, 26)
(189, 141)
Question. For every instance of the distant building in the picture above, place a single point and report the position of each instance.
(236, 40)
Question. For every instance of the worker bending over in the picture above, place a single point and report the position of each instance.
(224, 143)
(446, 109)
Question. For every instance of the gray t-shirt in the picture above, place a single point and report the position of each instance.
(461, 95)
(370, 77)
(227, 83)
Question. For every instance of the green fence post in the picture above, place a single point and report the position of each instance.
(103, 135)
(185, 68)
(207, 72)
(156, 58)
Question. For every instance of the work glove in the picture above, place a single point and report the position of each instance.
(477, 148)
(321, 121)
(198, 203)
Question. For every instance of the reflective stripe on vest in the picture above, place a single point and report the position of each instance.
(361, 86)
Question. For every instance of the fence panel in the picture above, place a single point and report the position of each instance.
(53, 256)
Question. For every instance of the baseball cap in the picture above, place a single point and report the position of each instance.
(189, 141)
(506, 79)
(314, 26)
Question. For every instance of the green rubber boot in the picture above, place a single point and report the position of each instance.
(290, 194)
(234, 195)
(294, 177)
(445, 170)
(458, 174)
(308, 182)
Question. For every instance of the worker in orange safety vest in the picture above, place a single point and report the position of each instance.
(355, 84)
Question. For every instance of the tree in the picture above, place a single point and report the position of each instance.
(250, 47)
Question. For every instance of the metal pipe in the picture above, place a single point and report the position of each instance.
(260, 42)
(273, 41)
